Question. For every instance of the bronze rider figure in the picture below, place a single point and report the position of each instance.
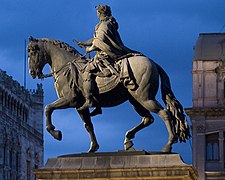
(108, 45)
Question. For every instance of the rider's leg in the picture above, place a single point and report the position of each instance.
(87, 91)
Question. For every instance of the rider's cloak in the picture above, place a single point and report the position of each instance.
(107, 39)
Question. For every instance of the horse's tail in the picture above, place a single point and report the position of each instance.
(174, 107)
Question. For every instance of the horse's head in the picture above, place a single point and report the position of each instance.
(37, 57)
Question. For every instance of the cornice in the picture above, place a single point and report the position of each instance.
(206, 111)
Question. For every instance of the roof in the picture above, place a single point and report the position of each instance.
(210, 46)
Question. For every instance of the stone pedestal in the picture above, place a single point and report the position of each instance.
(121, 165)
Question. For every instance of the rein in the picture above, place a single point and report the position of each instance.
(54, 72)
(57, 71)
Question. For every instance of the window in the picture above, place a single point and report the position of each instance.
(10, 158)
(212, 147)
(5, 96)
(8, 102)
(28, 169)
(224, 89)
(17, 161)
(36, 165)
(224, 149)
(5, 155)
(2, 96)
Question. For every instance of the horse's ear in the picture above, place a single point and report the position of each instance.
(32, 39)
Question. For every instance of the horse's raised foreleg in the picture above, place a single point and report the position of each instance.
(85, 116)
(146, 121)
(61, 103)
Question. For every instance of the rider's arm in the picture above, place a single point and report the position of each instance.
(92, 48)
(87, 43)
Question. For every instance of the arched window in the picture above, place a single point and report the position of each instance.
(212, 147)
(11, 158)
(20, 110)
(17, 154)
(11, 104)
(17, 161)
(6, 97)
(36, 165)
(28, 164)
(1, 96)
(25, 114)
(14, 105)
(8, 101)
(224, 148)
(17, 108)
(5, 147)
(4, 155)
(224, 88)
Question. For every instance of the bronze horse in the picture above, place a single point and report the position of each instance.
(67, 65)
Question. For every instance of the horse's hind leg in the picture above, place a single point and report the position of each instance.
(146, 121)
(172, 139)
(154, 106)
(61, 103)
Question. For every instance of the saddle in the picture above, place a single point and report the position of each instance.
(104, 84)
(123, 74)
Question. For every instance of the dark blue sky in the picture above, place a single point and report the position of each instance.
(165, 31)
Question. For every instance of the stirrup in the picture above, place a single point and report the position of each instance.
(96, 111)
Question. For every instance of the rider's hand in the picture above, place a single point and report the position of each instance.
(92, 48)
(80, 44)
(88, 49)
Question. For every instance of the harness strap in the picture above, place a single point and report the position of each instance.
(129, 55)
(54, 72)
(57, 71)
(82, 70)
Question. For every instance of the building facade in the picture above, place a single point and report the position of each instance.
(208, 111)
(21, 129)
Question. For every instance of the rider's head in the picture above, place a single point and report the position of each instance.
(103, 10)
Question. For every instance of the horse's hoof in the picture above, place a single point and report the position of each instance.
(167, 149)
(175, 140)
(128, 144)
(93, 148)
(57, 135)
(50, 127)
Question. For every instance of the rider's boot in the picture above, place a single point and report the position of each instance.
(89, 99)
(87, 91)
(96, 111)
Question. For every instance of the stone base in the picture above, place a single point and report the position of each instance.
(121, 165)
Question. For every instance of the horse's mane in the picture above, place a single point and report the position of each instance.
(62, 45)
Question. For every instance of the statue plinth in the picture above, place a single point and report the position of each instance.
(117, 165)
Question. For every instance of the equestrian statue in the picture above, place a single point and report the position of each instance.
(114, 75)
